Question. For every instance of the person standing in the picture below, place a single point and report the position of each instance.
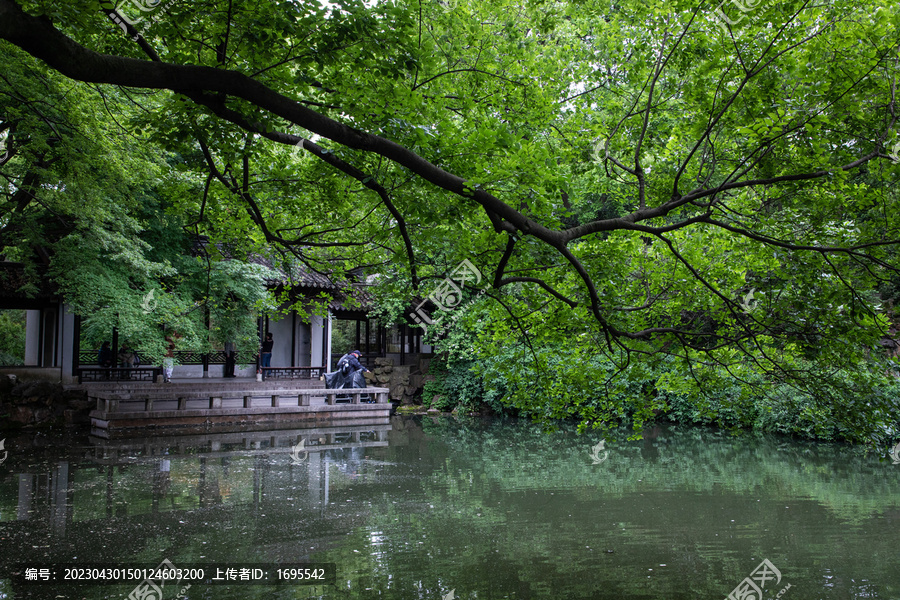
(169, 361)
(230, 353)
(265, 351)
(105, 356)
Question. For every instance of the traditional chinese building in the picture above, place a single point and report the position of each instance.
(51, 329)
(53, 333)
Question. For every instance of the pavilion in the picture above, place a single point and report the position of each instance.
(53, 332)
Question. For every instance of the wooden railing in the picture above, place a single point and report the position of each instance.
(150, 373)
(118, 374)
(256, 399)
(292, 372)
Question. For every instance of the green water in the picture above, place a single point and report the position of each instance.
(486, 509)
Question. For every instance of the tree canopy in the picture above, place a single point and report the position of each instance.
(643, 181)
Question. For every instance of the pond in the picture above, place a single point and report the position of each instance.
(446, 508)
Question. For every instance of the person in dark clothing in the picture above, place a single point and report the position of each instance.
(105, 356)
(351, 360)
(265, 351)
(229, 359)
(348, 373)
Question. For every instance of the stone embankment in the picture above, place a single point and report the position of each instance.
(404, 381)
(37, 403)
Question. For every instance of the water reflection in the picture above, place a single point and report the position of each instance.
(196, 472)
(135, 500)
(490, 509)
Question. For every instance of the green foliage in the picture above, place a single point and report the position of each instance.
(554, 383)
(12, 337)
(455, 386)
(435, 393)
(120, 247)
(677, 208)
(343, 335)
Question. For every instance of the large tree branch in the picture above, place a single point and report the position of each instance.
(241, 190)
(38, 37)
(853, 251)
(629, 221)
(217, 106)
(212, 87)
(546, 286)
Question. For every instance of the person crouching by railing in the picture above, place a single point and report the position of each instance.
(351, 360)
(348, 372)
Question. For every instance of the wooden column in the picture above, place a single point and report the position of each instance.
(402, 336)
(76, 346)
(115, 347)
(206, 356)
(260, 324)
(293, 338)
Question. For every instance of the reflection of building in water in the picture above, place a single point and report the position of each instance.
(348, 460)
(161, 480)
(46, 496)
(148, 487)
(222, 470)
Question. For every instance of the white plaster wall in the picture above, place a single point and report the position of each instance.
(32, 337)
(320, 327)
(304, 344)
(327, 333)
(281, 335)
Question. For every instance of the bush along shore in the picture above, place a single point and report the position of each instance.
(857, 407)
